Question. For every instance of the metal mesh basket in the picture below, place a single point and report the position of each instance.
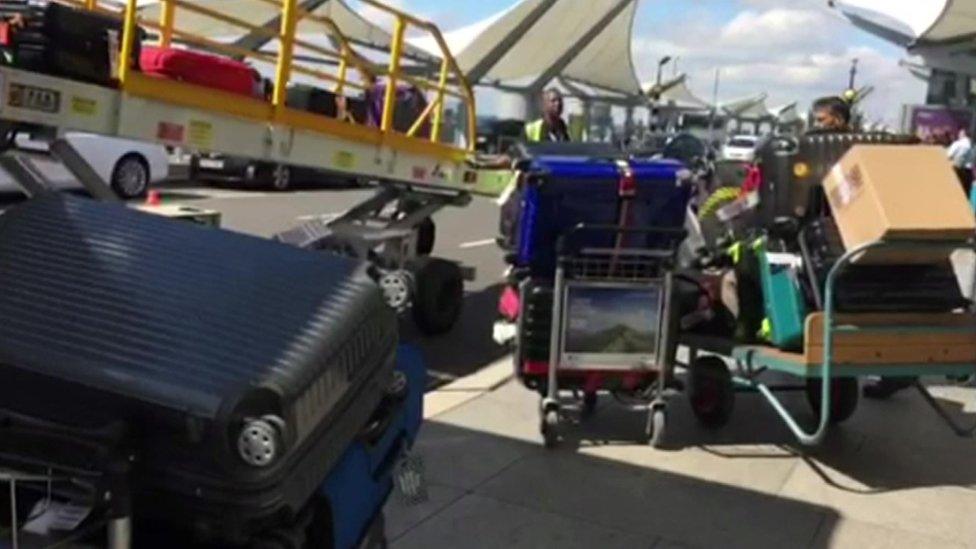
(617, 265)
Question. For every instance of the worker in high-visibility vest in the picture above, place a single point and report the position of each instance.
(551, 127)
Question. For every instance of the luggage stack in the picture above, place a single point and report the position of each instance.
(240, 369)
(55, 39)
(798, 227)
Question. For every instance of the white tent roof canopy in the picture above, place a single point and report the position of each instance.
(677, 95)
(753, 107)
(921, 22)
(352, 24)
(588, 41)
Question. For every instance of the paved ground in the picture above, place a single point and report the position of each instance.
(890, 477)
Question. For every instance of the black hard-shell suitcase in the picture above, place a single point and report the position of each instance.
(242, 368)
(64, 41)
(868, 288)
(794, 167)
(311, 99)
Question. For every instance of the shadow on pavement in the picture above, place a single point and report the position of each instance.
(887, 446)
(496, 491)
(467, 348)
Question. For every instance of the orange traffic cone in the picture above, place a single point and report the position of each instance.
(152, 199)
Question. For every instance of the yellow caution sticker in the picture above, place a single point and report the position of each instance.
(84, 106)
(344, 160)
(201, 133)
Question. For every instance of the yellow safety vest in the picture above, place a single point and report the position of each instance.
(533, 131)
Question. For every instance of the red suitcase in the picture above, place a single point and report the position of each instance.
(201, 69)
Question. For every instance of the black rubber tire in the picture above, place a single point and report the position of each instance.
(550, 429)
(656, 428)
(710, 391)
(426, 236)
(590, 401)
(844, 395)
(438, 297)
(131, 161)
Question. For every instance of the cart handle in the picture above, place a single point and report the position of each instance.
(811, 439)
(677, 235)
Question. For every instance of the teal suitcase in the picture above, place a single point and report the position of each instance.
(782, 297)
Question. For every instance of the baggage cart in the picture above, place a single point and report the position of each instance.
(611, 323)
(839, 348)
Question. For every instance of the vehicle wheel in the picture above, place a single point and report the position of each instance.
(281, 178)
(130, 177)
(438, 296)
(426, 233)
(589, 405)
(844, 394)
(657, 421)
(550, 428)
(710, 391)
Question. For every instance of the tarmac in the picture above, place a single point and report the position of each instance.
(894, 475)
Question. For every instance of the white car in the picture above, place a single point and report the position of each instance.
(741, 148)
(129, 167)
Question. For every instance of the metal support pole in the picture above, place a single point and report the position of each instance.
(389, 101)
(289, 18)
(25, 173)
(166, 19)
(82, 170)
(120, 533)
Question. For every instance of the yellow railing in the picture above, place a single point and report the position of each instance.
(449, 82)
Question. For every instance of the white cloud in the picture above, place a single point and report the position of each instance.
(792, 51)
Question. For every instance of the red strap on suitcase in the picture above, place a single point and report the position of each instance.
(198, 68)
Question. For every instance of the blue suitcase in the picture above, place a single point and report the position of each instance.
(359, 485)
(562, 192)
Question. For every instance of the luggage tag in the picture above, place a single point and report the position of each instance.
(55, 516)
(410, 480)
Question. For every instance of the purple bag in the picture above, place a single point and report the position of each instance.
(410, 103)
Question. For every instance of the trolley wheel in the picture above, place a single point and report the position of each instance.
(550, 428)
(844, 394)
(281, 178)
(710, 391)
(426, 236)
(589, 404)
(439, 296)
(655, 429)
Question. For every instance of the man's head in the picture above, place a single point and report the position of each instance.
(552, 104)
(963, 133)
(831, 113)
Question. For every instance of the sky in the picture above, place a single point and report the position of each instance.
(792, 50)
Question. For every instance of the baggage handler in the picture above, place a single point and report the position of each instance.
(551, 127)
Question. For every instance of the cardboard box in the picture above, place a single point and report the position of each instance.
(893, 192)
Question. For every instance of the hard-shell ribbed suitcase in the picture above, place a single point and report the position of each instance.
(865, 288)
(243, 368)
(60, 40)
(202, 69)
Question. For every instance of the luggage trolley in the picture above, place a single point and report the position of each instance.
(611, 325)
(838, 349)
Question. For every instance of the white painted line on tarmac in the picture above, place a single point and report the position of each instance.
(326, 217)
(443, 376)
(477, 243)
